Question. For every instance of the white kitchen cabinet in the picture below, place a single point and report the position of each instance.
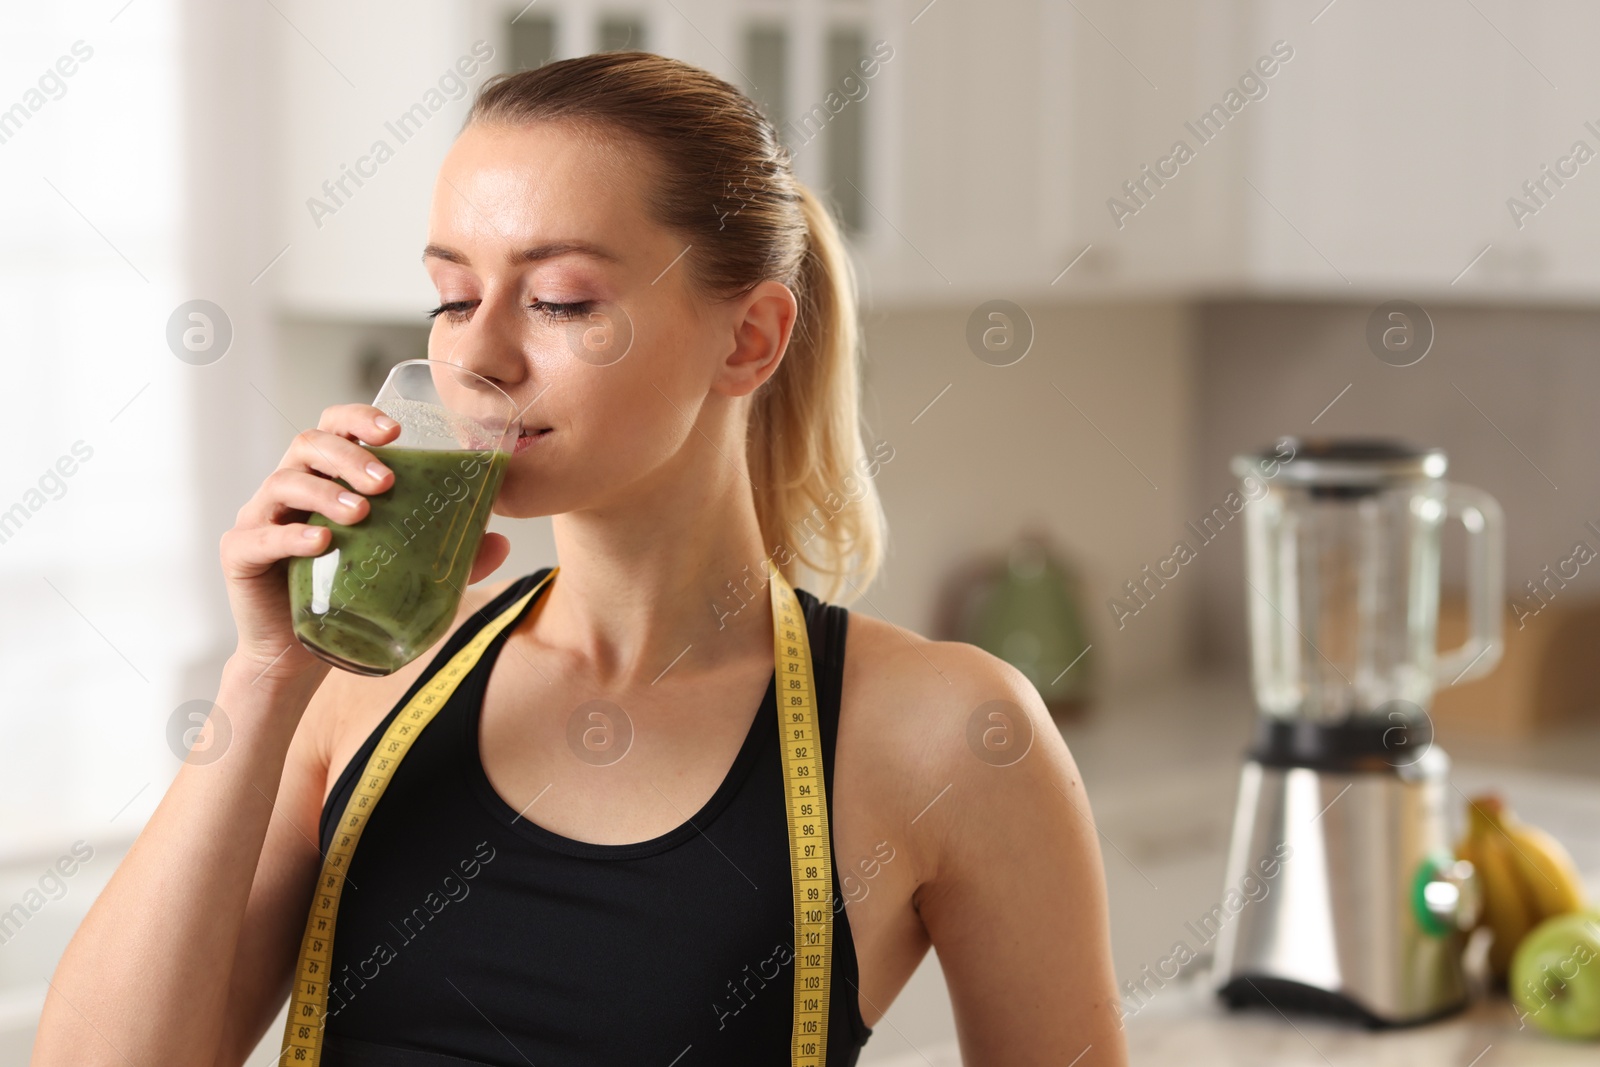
(1557, 248)
(366, 115)
(372, 96)
(1124, 81)
(1020, 130)
(1378, 160)
(977, 159)
(1385, 156)
(989, 152)
(1400, 134)
(1378, 156)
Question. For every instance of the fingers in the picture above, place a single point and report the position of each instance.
(303, 484)
(291, 492)
(358, 420)
(332, 449)
(330, 452)
(336, 457)
(250, 551)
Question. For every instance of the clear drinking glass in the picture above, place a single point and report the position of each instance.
(1342, 565)
(388, 587)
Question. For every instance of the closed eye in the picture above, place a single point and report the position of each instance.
(457, 310)
(562, 312)
(454, 311)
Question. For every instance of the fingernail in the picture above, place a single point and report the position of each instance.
(349, 500)
(385, 422)
(311, 533)
(376, 470)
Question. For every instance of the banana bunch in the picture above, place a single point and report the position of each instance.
(1525, 876)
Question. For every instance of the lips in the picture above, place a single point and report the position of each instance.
(528, 437)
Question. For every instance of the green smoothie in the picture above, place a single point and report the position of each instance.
(388, 587)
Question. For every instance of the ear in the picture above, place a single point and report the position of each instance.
(762, 322)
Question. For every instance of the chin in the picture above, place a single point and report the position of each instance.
(512, 504)
(533, 495)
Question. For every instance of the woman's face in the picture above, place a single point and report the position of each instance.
(558, 287)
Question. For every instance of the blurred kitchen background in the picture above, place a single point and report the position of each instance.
(1070, 328)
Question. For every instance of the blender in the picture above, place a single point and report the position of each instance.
(1342, 799)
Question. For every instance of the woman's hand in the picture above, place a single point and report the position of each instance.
(272, 527)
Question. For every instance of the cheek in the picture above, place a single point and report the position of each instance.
(615, 426)
(617, 423)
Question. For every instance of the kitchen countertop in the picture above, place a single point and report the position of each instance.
(1186, 1024)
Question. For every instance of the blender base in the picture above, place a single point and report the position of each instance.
(1281, 994)
(1332, 867)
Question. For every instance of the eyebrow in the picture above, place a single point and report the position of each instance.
(535, 254)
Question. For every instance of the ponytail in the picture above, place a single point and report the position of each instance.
(815, 498)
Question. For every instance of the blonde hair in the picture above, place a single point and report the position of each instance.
(726, 184)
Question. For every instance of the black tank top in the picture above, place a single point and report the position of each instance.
(468, 935)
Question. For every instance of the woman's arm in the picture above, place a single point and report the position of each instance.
(1016, 904)
(285, 880)
(146, 978)
(188, 952)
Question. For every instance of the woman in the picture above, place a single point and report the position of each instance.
(636, 909)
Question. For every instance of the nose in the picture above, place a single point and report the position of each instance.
(489, 345)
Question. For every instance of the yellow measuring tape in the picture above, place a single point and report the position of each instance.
(810, 849)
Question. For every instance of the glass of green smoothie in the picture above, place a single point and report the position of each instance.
(388, 587)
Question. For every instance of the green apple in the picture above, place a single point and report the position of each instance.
(1555, 975)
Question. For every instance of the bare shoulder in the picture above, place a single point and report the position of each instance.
(926, 694)
(349, 706)
(951, 725)
(1007, 876)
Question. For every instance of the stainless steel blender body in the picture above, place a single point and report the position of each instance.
(1368, 911)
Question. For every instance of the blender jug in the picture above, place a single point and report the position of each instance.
(1342, 573)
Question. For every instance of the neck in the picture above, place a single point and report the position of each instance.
(645, 580)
